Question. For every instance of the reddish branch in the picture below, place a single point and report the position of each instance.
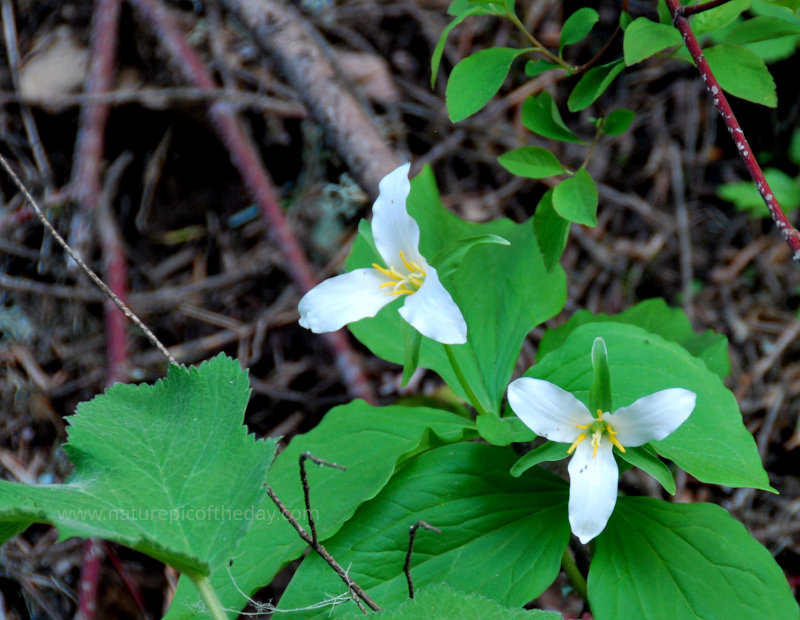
(681, 21)
(246, 159)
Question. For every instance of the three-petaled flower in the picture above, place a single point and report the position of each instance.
(361, 293)
(559, 416)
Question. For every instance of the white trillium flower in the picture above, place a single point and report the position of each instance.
(557, 415)
(361, 293)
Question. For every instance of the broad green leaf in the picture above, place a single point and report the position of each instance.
(476, 79)
(665, 561)
(493, 526)
(742, 73)
(376, 440)
(577, 26)
(593, 84)
(531, 162)
(655, 316)
(552, 230)
(575, 199)
(718, 17)
(541, 115)
(618, 121)
(713, 445)
(548, 451)
(503, 431)
(537, 67)
(645, 38)
(645, 460)
(745, 196)
(413, 340)
(153, 465)
(441, 602)
(759, 29)
(448, 261)
(516, 294)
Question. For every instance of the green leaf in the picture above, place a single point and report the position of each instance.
(655, 316)
(645, 38)
(413, 340)
(441, 602)
(742, 73)
(600, 392)
(485, 515)
(657, 560)
(447, 261)
(593, 84)
(618, 121)
(548, 451)
(516, 294)
(503, 431)
(745, 196)
(476, 79)
(718, 17)
(760, 28)
(541, 115)
(645, 460)
(461, 14)
(378, 439)
(552, 230)
(531, 162)
(575, 199)
(577, 26)
(153, 466)
(537, 67)
(713, 445)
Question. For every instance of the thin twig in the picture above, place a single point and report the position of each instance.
(789, 232)
(84, 267)
(307, 456)
(694, 9)
(351, 585)
(412, 534)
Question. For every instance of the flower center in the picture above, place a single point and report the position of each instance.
(402, 283)
(596, 429)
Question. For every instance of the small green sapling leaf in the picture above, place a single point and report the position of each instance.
(577, 26)
(644, 38)
(575, 199)
(541, 115)
(532, 162)
(618, 121)
(593, 84)
(742, 73)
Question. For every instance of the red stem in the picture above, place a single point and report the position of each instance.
(789, 232)
(246, 159)
(694, 9)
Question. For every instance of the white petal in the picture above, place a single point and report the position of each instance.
(652, 417)
(592, 488)
(393, 229)
(548, 410)
(433, 313)
(343, 299)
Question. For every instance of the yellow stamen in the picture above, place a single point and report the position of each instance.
(575, 443)
(399, 283)
(612, 437)
(597, 429)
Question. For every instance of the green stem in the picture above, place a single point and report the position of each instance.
(463, 380)
(594, 144)
(535, 43)
(574, 575)
(210, 598)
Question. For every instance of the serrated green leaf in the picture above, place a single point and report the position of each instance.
(742, 73)
(503, 431)
(575, 199)
(531, 162)
(476, 79)
(484, 514)
(655, 316)
(153, 465)
(645, 38)
(718, 17)
(516, 294)
(618, 121)
(378, 439)
(548, 451)
(647, 561)
(537, 67)
(577, 26)
(593, 84)
(713, 445)
(745, 196)
(551, 230)
(645, 460)
(441, 602)
(541, 115)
